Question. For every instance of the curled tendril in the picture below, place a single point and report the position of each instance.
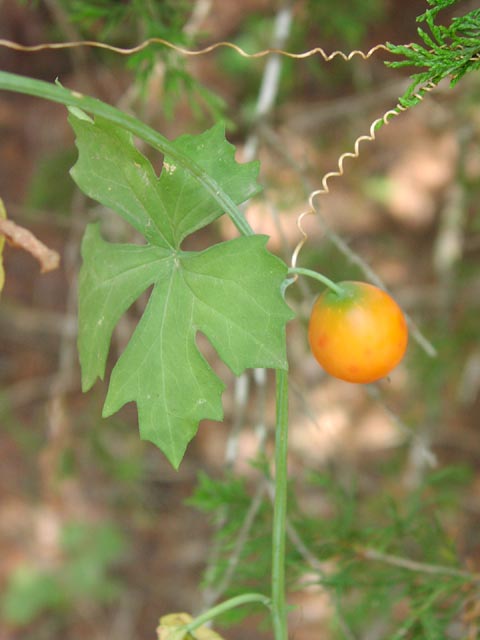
(370, 137)
(192, 52)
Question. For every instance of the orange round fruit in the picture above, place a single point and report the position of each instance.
(359, 335)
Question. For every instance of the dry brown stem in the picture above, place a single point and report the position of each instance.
(18, 236)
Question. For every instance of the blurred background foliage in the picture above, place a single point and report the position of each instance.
(98, 536)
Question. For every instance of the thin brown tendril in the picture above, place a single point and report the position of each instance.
(370, 137)
(192, 52)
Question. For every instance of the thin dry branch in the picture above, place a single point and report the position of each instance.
(420, 567)
(18, 236)
(214, 593)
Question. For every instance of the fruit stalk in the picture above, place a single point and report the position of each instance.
(317, 276)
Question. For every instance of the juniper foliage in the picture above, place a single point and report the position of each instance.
(448, 51)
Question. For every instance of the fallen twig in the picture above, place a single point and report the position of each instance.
(18, 236)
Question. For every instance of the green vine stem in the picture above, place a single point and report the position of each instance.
(279, 611)
(214, 612)
(317, 276)
(56, 93)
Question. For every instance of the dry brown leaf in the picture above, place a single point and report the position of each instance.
(170, 628)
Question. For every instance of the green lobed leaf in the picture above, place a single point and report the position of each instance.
(164, 209)
(111, 279)
(229, 292)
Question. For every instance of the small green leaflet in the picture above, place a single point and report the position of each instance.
(230, 292)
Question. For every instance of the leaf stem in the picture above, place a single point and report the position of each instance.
(237, 601)
(56, 93)
(279, 611)
(317, 276)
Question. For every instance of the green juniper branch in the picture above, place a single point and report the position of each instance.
(449, 51)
